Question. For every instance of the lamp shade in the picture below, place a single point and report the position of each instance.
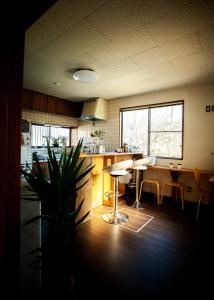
(85, 75)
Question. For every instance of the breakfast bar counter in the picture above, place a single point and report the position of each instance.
(96, 191)
(131, 154)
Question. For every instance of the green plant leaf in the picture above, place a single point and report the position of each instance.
(83, 174)
(79, 208)
(82, 185)
(57, 192)
(32, 252)
(37, 218)
(82, 219)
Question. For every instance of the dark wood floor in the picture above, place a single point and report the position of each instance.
(171, 256)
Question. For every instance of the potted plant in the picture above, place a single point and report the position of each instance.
(55, 141)
(59, 211)
(99, 135)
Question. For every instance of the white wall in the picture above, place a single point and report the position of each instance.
(198, 127)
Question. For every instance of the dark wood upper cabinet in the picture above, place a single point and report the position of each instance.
(60, 110)
(75, 109)
(49, 104)
(66, 108)
(27, 100)
(40, 102)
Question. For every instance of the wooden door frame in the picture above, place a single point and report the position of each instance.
(16, 17)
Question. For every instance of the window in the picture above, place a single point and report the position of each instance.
(156, 130)
(41, 131)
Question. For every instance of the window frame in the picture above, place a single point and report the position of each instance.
(149, 107)
(51, 125)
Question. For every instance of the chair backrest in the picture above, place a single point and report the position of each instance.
(197, 177)
(122, 165)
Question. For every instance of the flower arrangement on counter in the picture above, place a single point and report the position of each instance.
(99, 134)
(59, 140)
(55, 141)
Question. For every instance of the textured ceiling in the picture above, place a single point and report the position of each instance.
(136, 46)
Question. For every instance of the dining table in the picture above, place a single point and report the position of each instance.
(175, 173)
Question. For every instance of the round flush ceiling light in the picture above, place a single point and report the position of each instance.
(85, 75)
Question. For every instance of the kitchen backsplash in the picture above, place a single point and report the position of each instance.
(111, 126)
(48, 118)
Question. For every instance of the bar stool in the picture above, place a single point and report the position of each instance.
(176, 185)
(116, 170)
(138, 165)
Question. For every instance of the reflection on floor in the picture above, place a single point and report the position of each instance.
(137, 218)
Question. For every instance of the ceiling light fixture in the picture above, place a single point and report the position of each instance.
(85, 75)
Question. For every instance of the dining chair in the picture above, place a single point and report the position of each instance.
(152, 181)
(177, 186)
(203, 193)
(155, 183)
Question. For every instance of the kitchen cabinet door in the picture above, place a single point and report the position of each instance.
(27, 100)
(75, 109)
(66, 108)
(51, 105)
(61, 107)
(40, 102)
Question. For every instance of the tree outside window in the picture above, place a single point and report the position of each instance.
(156, 130)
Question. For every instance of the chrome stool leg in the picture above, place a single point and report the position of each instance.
(137, 203)
(115, 217)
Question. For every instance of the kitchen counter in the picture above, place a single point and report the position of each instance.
(99, 184)
(108, 154)
(83, 154)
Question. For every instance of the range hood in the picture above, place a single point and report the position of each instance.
(95, 110)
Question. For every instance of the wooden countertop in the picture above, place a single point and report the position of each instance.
(108, 154)
(183, 170)
(98, 155)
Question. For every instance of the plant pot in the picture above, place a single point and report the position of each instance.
(59, 285)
